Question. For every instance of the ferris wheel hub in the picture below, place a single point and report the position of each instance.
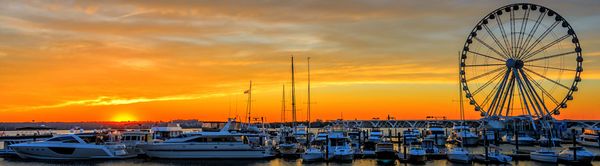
(516, 64)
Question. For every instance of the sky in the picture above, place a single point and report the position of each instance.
(164, 60)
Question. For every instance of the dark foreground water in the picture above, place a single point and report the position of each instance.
(274, 162)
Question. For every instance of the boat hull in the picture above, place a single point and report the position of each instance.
(548, 158)
(461, 158)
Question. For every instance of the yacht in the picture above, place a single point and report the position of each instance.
(437, 133)
(410, 136)
(544, 155)
(339, 146)
(384, 151)
(458, 154)
(552, 142)
(131, 140)
(374, 137)
(464, 134)
(289, 147)
(429, 146)
(162, 133)
(416, 154)
(496, 157)
(301, 134)
(577, 155)
(223, 144)
(316, 150)
(590, 137)
(523, 139)
(71, 147)
(355, 136)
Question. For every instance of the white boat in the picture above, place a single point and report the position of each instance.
(495, 156)
(409, 136)
(316, 151)
(222, 144)
(301, 134)
(578, 155)
(161, 133)
(544, 155)
(384, 151)
(590, 137)
(131, 140)
(313, 154)
(355, 140)
(437, 133)
(416, 154)
(373, 138)
(458, 154)
(552, 142)
(289, 147)
(71, 147)
(339, 146)
(464, 134)
(523, 139)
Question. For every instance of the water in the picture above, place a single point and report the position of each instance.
(505, 148)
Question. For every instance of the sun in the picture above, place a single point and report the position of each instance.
(123, 117)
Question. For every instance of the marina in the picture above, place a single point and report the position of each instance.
(504, 98)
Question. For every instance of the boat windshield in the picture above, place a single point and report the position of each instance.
(65, 139)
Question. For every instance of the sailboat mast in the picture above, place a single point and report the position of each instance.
(283, 104)
(293, 96)
(249, 105)
(308, 105)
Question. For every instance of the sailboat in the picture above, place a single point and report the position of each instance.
(459, 154)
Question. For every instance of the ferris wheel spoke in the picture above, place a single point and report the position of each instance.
(489, 95)
(548, 67)
(553, 81)
(511, 103)
(522, 31)
(504, 36)
(504, 96)
(504, 50)
(486, 73)
(489, 47)
(479, 65)
(524, 96)
(544, 91)
(546, 46)
(487, 56)
(541, 106)
(492, 107)
(512, 33)
(533, 30)
(540, 38)
(551, 56)
(488, 82)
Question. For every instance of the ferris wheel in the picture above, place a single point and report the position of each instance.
(521, 59)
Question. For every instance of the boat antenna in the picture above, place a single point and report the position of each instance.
(293, 96)
(249, 105)
(283, 104)
(308, 105)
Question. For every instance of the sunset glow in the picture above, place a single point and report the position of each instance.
(161, 60)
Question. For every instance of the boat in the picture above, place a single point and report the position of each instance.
(523, 139)
(490, 136)
(590, 137)
(24, 135)
(458, 154)
(316, 150)
(436, 132)
(223, 144)
(409, 136)
(464, 134)
(552, 142)
(355, 136)
(301, 134)
(416, 154)
(161, 133)
(430, 148)
(72, 147)
(576, 155)
(339, 145)
(131, 139)
(373, 138)
(544, 155)
(289, 147)
(384, 151)
(494, 156)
